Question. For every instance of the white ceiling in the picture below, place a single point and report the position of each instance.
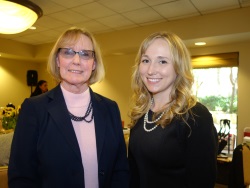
(101, 16)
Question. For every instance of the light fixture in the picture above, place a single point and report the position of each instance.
(200, 43)
(18, 15)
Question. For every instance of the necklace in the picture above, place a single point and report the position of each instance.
(84, 118)
(150, 122)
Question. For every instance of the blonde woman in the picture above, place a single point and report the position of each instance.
(173, 141)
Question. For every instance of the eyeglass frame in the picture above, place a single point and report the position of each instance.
(81, 57)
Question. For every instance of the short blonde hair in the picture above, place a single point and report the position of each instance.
(70, 37)
(181, 98)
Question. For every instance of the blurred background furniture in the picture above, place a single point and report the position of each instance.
(223, 170)
(126, 132)
(246, 164)
(239, 176)
(5, 145)
(3, 177)
(246, 157)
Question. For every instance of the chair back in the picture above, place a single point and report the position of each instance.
(246, 163)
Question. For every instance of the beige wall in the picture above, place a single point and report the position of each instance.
(13, 84)
(117, 82)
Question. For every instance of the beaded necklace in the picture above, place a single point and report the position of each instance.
(84, 118)
(150, 122)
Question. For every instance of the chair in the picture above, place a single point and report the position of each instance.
(246, 164)
(223, 135)
(239, 176)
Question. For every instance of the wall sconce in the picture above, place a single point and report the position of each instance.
(18, 15)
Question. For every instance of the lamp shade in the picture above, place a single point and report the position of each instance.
(17, 16)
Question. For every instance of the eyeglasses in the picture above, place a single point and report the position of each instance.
(69, 53)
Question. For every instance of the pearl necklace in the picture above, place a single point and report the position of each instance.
(150, 122)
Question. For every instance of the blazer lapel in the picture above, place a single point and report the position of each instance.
(58, 110)
(100, 121)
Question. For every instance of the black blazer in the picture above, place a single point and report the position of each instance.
(45, 151)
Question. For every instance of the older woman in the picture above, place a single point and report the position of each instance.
(70, 136)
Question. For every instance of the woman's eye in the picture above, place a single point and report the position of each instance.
(144, 60)
(163, 62)
(85, 54)
(69, 52)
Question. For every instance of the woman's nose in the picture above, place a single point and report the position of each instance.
(76, 59)
(151, 69)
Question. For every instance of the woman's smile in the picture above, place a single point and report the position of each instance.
(76, 71)
(154, 79)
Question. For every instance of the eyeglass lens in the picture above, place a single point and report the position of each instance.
(70, 53)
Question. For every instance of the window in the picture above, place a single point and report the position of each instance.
(216, 87)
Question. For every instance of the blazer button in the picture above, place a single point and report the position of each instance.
(101, 173)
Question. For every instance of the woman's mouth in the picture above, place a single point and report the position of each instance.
(75, 71)
(154, 79)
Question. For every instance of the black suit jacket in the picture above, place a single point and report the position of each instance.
(45, 151)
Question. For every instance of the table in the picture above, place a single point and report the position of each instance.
(223, 169)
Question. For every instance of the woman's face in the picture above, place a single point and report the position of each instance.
(44, 87)
(75, 70)
(156, 68)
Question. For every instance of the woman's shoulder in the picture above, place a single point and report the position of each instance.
(200, 114)
(101, 98)
(199, 108)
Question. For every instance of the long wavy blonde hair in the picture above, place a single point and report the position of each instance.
(181, 99)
